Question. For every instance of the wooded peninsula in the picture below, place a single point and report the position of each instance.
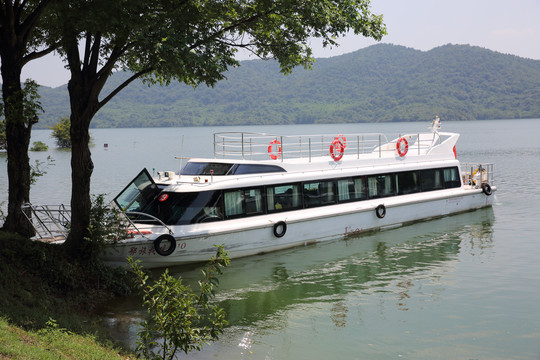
(379, 83)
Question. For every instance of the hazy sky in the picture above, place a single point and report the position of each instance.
(511, 27)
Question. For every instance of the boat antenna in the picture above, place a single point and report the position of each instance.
(435, 124)
(181, 155)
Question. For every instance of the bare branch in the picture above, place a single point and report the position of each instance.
(38, 54)
(94, 53)
(123, 85)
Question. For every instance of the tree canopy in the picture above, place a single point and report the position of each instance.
(61, 133)
(192, 42)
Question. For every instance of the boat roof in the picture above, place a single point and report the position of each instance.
(253, 159)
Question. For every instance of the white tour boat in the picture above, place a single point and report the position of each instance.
(262, 193)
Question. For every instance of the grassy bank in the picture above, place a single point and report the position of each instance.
(47, 303)
(52, 343)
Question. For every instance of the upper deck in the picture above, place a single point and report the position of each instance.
(267, 157)
(337, 148)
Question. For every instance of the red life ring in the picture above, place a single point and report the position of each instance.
(337, 147)
(402, 152)
(343, 140)
(271, 149)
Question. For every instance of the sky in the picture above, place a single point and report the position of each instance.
(509, 27)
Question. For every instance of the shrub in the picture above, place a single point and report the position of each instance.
(61, 133)
(39, 146)
(181, 319)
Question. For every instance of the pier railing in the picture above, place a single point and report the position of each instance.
(256, 146)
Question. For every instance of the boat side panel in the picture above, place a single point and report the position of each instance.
(245, 237)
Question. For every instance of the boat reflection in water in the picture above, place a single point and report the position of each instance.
(327, 285)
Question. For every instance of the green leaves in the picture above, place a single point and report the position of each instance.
(61, 132)
(195, 42)
(180, 319)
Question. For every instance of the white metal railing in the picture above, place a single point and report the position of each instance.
(50, 222)
(257, 146)
(476, 174)
(149, 220)
(252, 146)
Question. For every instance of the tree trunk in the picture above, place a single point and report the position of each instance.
(18, 131)
(83, 107)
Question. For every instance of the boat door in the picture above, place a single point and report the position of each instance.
(138, 193)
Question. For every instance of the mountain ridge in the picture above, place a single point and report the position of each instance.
(379, 83)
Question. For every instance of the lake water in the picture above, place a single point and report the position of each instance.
(461, 287)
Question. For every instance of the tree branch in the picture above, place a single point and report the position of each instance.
(38, 54)
(231, 27)
(94, 53)
(29, 23)
(123, 85)
(87, 48)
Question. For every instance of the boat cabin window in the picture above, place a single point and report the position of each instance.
(283, 197)
(352, 189)
(187, 208)
(244, 169)
(407, 182)
(205, 168)
(431, 179)
(319, 193)
(243, 202)
(451, 178)
(198, 207)
(380, 185)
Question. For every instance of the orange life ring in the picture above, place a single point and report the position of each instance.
(402, 152)
(271, 149)
(336, 150)
(343, 140)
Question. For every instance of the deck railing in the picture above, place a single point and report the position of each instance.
(257, 146)
(476, 174)
(50, 222)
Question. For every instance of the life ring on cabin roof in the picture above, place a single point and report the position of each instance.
(165, 251)
(337, 149)
(343, 140)
(402, 151)
(271, 149)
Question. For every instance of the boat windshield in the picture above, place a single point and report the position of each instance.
(186, 208)
(138, 193)
(205, 168)
(215, 168)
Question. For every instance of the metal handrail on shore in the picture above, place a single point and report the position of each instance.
(50, 222)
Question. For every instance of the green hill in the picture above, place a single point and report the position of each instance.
(376, 84)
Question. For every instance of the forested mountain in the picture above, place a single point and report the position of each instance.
(376, 84)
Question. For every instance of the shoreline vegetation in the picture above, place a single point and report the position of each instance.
(50, 301)
(47, 303)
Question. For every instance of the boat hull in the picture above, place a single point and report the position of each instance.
(266, 233)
